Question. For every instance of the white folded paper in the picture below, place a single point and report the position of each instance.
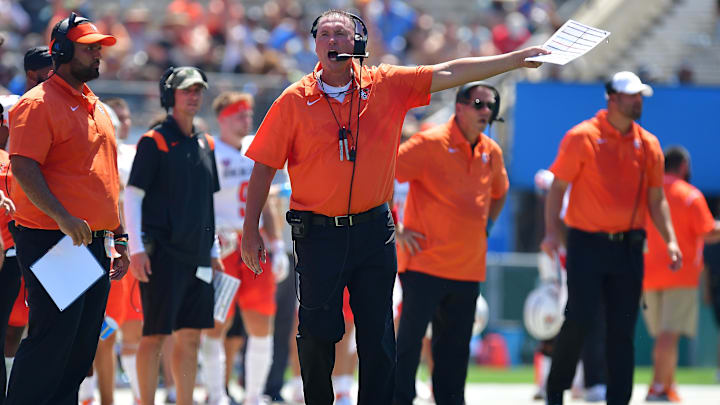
(225, 287)
(66, 272)
(571, 41)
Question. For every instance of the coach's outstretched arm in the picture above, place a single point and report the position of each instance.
(252, 245)
(464, 70)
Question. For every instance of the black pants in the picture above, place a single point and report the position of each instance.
(284, 317)
(60, 347)
(450, 305)
(367, 251)
(599, 269)
(9, 287)
(593, 352)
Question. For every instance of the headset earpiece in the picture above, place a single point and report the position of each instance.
(496, 110)
(62, 49)
(609, 89)
(167, 95)
(360, 38)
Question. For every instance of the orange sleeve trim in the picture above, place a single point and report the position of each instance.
(159, 140)
(210, 141)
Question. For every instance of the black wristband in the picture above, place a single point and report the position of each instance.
(121, 236)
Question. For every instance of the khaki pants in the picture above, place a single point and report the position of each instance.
(671, 310)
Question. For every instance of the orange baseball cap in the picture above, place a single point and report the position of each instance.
(87, 33)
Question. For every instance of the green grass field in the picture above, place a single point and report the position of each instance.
(524, 374)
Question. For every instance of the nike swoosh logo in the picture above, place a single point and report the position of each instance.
(316, 100)
(75, 108)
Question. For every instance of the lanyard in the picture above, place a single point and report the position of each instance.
(343, 131)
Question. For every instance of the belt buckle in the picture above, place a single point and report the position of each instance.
(616, 237)
(338, 218)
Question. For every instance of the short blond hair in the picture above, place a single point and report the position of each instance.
(227, 98)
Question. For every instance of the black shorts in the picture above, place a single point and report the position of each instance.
(175, 298)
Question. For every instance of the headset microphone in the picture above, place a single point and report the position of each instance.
(346, 56)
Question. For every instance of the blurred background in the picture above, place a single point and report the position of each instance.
(262, 46)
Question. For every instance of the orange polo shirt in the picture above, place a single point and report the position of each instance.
(451, 187)
(72, 138)
(5, 218)
(691, 219)
(299, 128)
(605, 169)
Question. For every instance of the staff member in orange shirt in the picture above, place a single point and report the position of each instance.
(9, 271)
(65, 182)
(616, 170)
(442, 255)
(338, 129)
(38, 64)
(671, 296)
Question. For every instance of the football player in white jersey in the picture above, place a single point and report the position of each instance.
(256, 295)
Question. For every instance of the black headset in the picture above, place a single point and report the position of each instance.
(62, 50)
(609, 89)
(360, 39)
(167, 92)
(463, 93)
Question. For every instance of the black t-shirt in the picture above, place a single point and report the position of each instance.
(179, 177)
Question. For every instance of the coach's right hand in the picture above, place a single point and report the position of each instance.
(77, 229)
(140, 266)
(253, 249)
(550, 244)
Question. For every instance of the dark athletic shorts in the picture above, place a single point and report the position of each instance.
(175, 298)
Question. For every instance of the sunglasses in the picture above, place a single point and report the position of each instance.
(480, 104)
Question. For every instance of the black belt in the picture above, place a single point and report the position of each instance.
(100, 234)
(631, 235)
(95, 234)
(350, 220)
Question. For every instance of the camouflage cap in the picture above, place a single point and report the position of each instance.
(187, 76)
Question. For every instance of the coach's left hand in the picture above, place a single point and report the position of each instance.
(120, 265)
(521, 54)
(408, 239)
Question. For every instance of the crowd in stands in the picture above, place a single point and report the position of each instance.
(269, 37)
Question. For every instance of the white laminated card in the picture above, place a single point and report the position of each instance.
(225, 287)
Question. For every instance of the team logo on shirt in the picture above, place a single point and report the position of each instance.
(637, 144)
(201, 143)
(485, 157)
(364, 93)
